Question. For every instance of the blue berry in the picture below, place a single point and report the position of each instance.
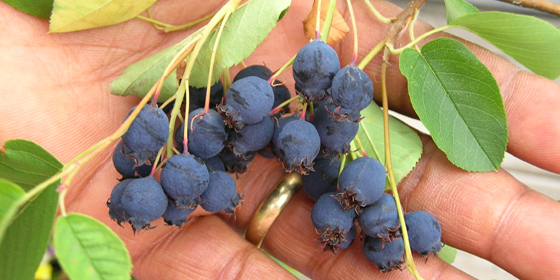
(331, 221)
(147, 133)
(281, 92)
(221, 194)
(385, 255)
(252, 137)
(143, 200)
(184, 178)
(248, 101)
(424, 232)
(350, 86)
(197, 96)
(380, 219)
(236, 164)
(175, 216)
(335, 135)
(349, 238)
(207, 133)
(127, 166)
(314, 67)
(214, 164)
(323, 180)
(116, 211)
(361, 182)
(298, 144)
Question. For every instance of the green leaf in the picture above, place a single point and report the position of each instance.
(38, 8)
(245, 29)
(71, 15)
(459, 102)
(25, 241)
(447, 254)
(10, 195)
(458, 8)
(533, 42)
(406, 147)
(88, 249)
(138, 78)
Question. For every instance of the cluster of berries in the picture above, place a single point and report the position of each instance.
(244, 121)
(360, 198)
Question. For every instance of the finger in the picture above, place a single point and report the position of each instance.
(207, 248)
(491, 215)
(531, 102)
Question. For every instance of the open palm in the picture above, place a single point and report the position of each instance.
(56, 93)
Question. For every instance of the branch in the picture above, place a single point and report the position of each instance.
(541, 5)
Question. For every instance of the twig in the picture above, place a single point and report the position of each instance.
(541, 5)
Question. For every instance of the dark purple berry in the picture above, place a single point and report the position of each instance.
(144, 201)
(221, 194)
(424, 232)
(147, 133)
(314, 67)
(349, 238)
(323, 180)
(385, 255)
(236, 164)
(197, 96)
(252, 137)
(349, 88)
(298, 144)
(184, 178)
(214, 164)
(207, 133)
(127, 166)
(380, 219)
(175, 216)
(361, 183)
(116, 211)
(248, 101)
(335, 135)
(331, 221)
(281, 92)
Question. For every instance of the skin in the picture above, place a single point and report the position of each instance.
(56, 93)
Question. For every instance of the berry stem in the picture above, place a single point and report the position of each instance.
(226, 82)
(359, 142)
(303, 110)
(186, 122)
(367, 59)
(156, 162)
(318, 21)
(377, 14)
(279, 107)
(328, 21)
(279, 71)
(355, 31)
(212, 59)
(175, 112)
(169, 100)
(395, 29)
(370, 140)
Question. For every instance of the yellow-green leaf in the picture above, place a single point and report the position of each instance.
(71, 15)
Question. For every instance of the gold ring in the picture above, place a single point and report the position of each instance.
(271, 207)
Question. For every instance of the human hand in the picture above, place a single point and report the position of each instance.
(56, 94)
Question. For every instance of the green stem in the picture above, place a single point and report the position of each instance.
(153, 21)
(277, 73)
(367, 59)
(188, 25)
(328, 21)
(355, 30)
(420, 38)
(212, 59)
(179, 95)
(389, 166)
(377, 14)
